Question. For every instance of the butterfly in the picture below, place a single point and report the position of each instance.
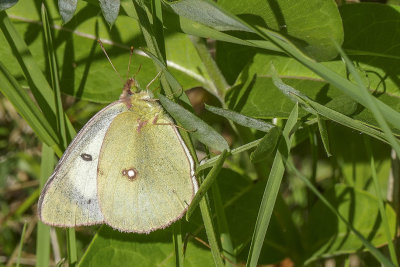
(128, 167)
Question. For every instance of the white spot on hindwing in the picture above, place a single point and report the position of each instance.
(130, 173)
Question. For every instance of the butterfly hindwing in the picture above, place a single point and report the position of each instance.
(146, 179)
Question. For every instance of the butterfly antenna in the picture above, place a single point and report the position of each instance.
(109, 60)
(152, 81)
(130, 60)
(140, 66)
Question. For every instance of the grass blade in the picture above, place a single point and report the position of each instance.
(206, 184)
(210, 231)
(271, 191)
(225, 236)
(43, 231)
(178, 245)
(54, 77)
(27, 109)
(21, 243)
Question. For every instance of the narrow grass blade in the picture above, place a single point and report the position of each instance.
(271, 191)
(210, 179)
(71, 247)
(241, 119)
(225, 237)
(211, 162)
(382, 211)
(61, 129)
(178, 245)
(21, 243)
(219, 85)
(37, 81)
(198, 128)
(43, 231)
(316, 108)
(374, 251)
(20, 99)
(210, 231)
(323, 131)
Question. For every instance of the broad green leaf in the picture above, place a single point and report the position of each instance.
(326, 235)
(67, 9)
(86, 73)
(313, 25)
(371, 44)
(199, 129)
(353, 160)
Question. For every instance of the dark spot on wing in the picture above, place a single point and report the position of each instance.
(89, 201)
(86, 157)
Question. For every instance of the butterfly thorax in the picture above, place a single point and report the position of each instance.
(145, 108)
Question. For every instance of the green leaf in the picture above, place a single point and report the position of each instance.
(323, 131)
(328, 236)
(67, 9)
(241, 119)
(86, 73)
(312, 25)
(199, 129)
(267, 146)
(206, 12)
(5, 4)
(110, 9)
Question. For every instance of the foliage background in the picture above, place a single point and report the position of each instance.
(231, 70)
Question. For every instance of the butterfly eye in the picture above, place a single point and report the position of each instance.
(86, 157)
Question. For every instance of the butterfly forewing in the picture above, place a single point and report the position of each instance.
(69, 197)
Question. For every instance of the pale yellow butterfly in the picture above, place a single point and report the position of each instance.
(128, 167)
